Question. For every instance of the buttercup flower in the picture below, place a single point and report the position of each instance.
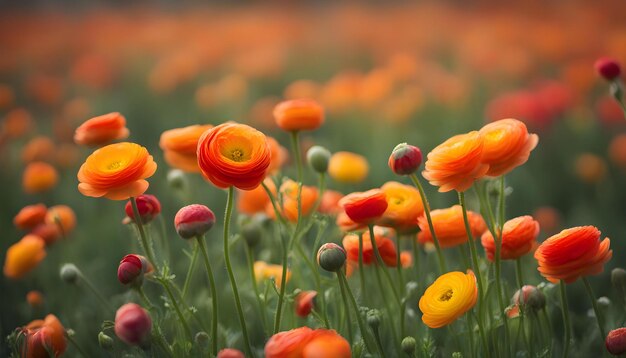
(298, 114)
(346, 224)
(50, 233)
(116, 171)
(180, 146)
(385, 245)
(193, 220)
(305, 342)
(264, 271)
(305, 302)
(456, 163)
(23, 256)
(518, 238)
(39, 177)
(365, 207)
(347, 167)
(102, 130)
(506, 145)
(448, 298)
(404, 206)
(38, 149)
(63, 217)
(148, 207)
(327, 344)
(30, 216)
(133, 324)
(450, 227)
(234, 154)
(573, 253)
(43, 336)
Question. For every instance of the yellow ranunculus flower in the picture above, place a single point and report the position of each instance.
(448, 298)
(348, 167)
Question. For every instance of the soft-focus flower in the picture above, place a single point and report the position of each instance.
(530, 297)
(305, 342)
(617, 149)
(608, 68)
(406, 259)
(63, 216)
(450, 226)
(386, 247)
(305, 302)
(404, 206)
(573, 253)
(34, 299)
(330, 202)
(117, 171)
(102, 130)
(133, 324)
(44, 338)
(616, 341)
(17, 123)
(448, 298)
(256, 200)
(7, 96)
(456, 163)
(234, 154)
(590, 168)
(132, 268)
(289, 207)
(506, 145)
(518, 238)
(405, 159)
(30, 216)
(327, 344)
(193, 220)
(23, 256)
(347, 167)
(148, 207)
(50, 233)
(346, 224)
(365, 207)
(264, 271)
(180, 146)
(230, 353)
(279, 155)
(298, 114)
(38, 149)
(549, 219)
(39, 177)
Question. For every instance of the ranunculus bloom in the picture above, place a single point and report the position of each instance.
(404, 206)
(43, 336)
(30, 216)
(346, 224)
(330, 203)
(256, 200)
(298, 114)
(279, 155)
(590, 168)
(385, 245)
(365, 207)
(456, 163)
(327, 344)
(347, 167)
(450, 227)
(305, 302)
(50, 233)
(180, 146)
(289, 207)
(193, 220)
(518, 238)
(573, 253)
(305, 342)
(39, 177)
(616, 341)
(63, 216)
(506, 145)
(406, 259)
(34, 299)
(549, 219)
(117, 171)
(38, 149)
(264, 271)
(234, 154)
(101, 130)
(17, 123)
(230, 353)
(23, 256)
(148, 207)
(132, 268)
(133, 324)
(448, 298)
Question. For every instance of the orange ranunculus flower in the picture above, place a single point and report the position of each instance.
(404, 206)
(17, 123)
(50, 233)
(346, 224)
(450, 227)
(23, 256)
(102, 130)
(406, 259)
(507, 145)
(518, 238)
(264, 271)
(573, 253)
(590, 168)
(279, 154)
(299, 114)
(180, 146)
(347, 167)
(63, 216)
(330, 202)
(305, 342)
(385, 245)
(44, 338)
(38, 149)
(234, 154)
(448, 298)
(34, 299)
(456, 163)
(116, 171)
(30, 216)
(289, 207)
(365, 207)
(256, 200)
(39, 177)
(327, 344)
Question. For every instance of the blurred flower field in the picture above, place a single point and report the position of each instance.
(427, 179)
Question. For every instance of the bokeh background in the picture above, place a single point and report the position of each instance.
(416, 72)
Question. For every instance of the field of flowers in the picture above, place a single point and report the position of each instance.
(432, 179)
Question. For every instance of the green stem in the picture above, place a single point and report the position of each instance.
(95, 291)
(165, 242)
(364, 333)
(361, 267)
(522, 305)
(214, 314)
(567, 326)
(76, 345)
(399, 267)
(379, 343)
(320, 192)
(344, 297)
(596, 309)
(144, 297)
(183, 321)
(318, 281)
(144, 239)
(255, 287)
(283, 285)
(190, 270)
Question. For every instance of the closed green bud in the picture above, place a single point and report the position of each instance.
(331, 257)
(176, 179)
(105, 341)
(318, 158)
(202, 339)
(69, 273)
(373, 319)
(251, 228)
(408, 345)
(618, 277)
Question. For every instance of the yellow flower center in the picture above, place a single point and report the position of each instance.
(236, 155)
(114, 165)
(446, 296)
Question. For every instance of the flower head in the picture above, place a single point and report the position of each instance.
(506, 145)
(30, 216)
(298, 114)
(305, 302)
(101, 130)
(61, 216)
(386, 247)
(305, 342)
(133, 324)
(404, 206)
(180, 146)
(193, 220)
(45, 338)
(132, 268)
(347, 167)
(448, 298)
(34, 299)
(405, 159)
(148, 207)
(518, 238)
(39, 177)
(230, 353)
(616, 341)
(289, 207)
(608, 68)
(23, 256)
(264, 271)
(450, 226)
(365, 207)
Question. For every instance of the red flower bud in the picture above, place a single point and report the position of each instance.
(616, 341)
(147, 205)
(230, 353)
(405, 159)
(193, 220)
(132, 268)
(133, 324)
(608, 68)
(305, 301)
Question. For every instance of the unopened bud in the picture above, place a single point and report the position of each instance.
(331, 257)
(616, 341)
(69, 273)
(531, 298)
(202, 339)
(133, 324)
(193, 220)
(405, 159)
(618, 278)
(408, 345)
(608, 68)
(176, 179)
(105, 341)
(373, 319)
(318, 158)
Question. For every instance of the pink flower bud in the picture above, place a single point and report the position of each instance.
(532, 298)
(305, 302)
(132, 268)
(608, 68)
(230, 353)
(193, 220)
(133, 324)
(147, 205)
(616, 341)
(405, 159)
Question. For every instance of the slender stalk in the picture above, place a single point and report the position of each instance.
(320, 192)
(361, 267)
(364, 333)
(144, 297)
(522, 305)
(567, 326)
(344, 297)
(596, 309)
(318, 281)
(95, 291)
(183, 321)
(379, 343)
(281, 295)
(76, 345)
(144, 239)
(209, 271)
(231, 275)
(190, 270)
(165, 243)
(381, 264)
(255, 287)
(399, 267)
(418, 184)
(416, 255)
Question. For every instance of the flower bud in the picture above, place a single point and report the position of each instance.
(405, 159)
(176, 179)
(618, 278)
(373, 319)
(305, 302)
(616, 341)
(331, 257)
(70, 273)
(132, 268)
(318, 158)
(608, 68)
(193, 220)
(604, 302)
(202, 339)
(532, 298)
(230, 353)
(133, 324)
(105, 341)
(148, 207)
(408, 345)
